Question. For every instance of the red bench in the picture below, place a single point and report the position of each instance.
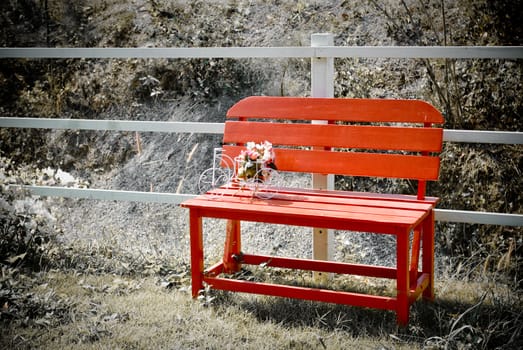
(362, 137)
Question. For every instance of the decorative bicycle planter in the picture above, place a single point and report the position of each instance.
(252, 170)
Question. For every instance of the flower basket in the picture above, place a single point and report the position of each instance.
(255, 162)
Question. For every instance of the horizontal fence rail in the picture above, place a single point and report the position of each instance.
(107, 195)
(478, 136)
(468, 136)
(478, 217)
(457, 52)
(113, 125)
(443, 215)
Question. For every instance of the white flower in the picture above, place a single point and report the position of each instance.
(266, 155)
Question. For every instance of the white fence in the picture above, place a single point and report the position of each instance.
(467, 136)
(459, 52)
(322, 55)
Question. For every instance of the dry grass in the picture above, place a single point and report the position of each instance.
(142, 312)
(148, 315)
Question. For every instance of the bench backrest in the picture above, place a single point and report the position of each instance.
(357, 137)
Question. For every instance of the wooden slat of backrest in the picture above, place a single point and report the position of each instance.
(342, 109)
(352, 163)
(340, 136)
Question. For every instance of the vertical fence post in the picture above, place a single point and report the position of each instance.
(322, 68)
(322, 85)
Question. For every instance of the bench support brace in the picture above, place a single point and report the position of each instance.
(232, 249)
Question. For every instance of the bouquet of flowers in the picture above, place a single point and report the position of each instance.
(255, 161)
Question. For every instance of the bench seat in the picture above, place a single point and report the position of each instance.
(342, 210)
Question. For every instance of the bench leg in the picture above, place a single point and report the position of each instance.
(428, 255)
(232, 249)
(196, 252)
(414, 255)
(402, 286)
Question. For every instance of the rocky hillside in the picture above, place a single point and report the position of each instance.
(473, 94)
